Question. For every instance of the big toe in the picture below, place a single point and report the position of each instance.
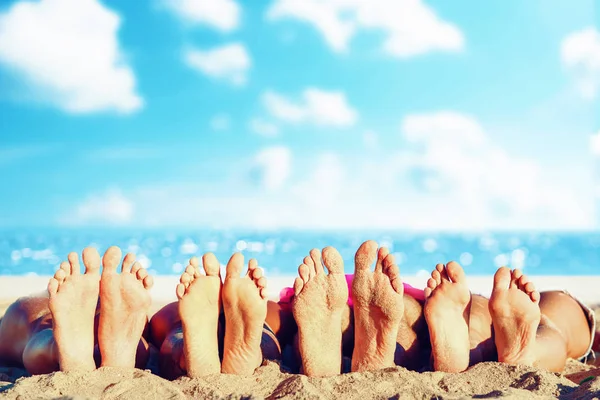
(111, 259)
(333, 260)
(211, 264)
(91, 260)
(235, 265)
(455, 272)
(502, 279)
(365, 256)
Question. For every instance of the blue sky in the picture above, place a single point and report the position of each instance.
(299, 114)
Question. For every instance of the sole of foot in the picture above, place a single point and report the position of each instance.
(514, 307)
(199, 308)
(73, 300)
(124, 303)
(319, 302)
(446, 310)
(378, 308)
(245, 308)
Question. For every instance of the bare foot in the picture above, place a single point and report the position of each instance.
(446, 311)
(515, 310)
(245, 307)
(378, 308)
(73, 300)
(124, 303)
(318, 306)
(199, 308)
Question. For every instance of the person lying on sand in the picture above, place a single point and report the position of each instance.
(372, 318)
(106, 311)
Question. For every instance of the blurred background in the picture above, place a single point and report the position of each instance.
(443, 130)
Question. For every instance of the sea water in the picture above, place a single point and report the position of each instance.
(166, 252)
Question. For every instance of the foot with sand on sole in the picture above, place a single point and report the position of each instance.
(447, 307)
(378, 308)
(514, 307)
(318, 305)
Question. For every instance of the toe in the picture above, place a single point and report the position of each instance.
(234, 266)
(65, 266)
(60, 275)
(436, 276)
(91, 260)
(515, 276)
(111, 259)
(128, 262)
(316, 257)
(185, 278)
(304, 272)
(211, 264)
(180, 290)
(381, 255)
(333, 260)
(252, 266)
(142, 273)
(309, 262)
(365, 256)
(522, 282)
(427, 292)
(136, 267)
(455, 272)
(502, 279)
(261, 282)
(52, 287)
(431, 283)
(257, 273)
(298, 286)
(73, 267)
(148, 282)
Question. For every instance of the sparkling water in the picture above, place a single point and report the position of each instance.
(279, 253)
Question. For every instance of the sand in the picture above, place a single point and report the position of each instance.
(485, 380)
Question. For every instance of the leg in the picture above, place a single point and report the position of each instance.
(22, 320)
(378, 308)
(447, 314)
(318, 305)
(245, 308)
(124, 304)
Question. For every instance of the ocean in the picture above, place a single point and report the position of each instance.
(39, 252)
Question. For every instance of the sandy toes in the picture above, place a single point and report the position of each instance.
(378, 308)
(319, 301)
(515, 310)
(124, 303)
(446, 311)
(73, 300)
(199, 308)
(245, 307)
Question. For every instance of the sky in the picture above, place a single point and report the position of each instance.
(300, 114)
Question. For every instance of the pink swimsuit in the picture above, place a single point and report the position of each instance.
(287, 294)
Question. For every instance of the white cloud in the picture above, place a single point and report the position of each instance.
(580, 53)
(320, 107)
(595, 144)
(223, 15)
(229, 62)
(220, 122)
(410, 26)
(109, 208)
(68, 53)
(275, 163)
(263, 128)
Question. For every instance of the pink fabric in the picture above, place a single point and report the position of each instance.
(287, 294)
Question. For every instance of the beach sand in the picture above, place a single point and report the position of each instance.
(485, 380)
